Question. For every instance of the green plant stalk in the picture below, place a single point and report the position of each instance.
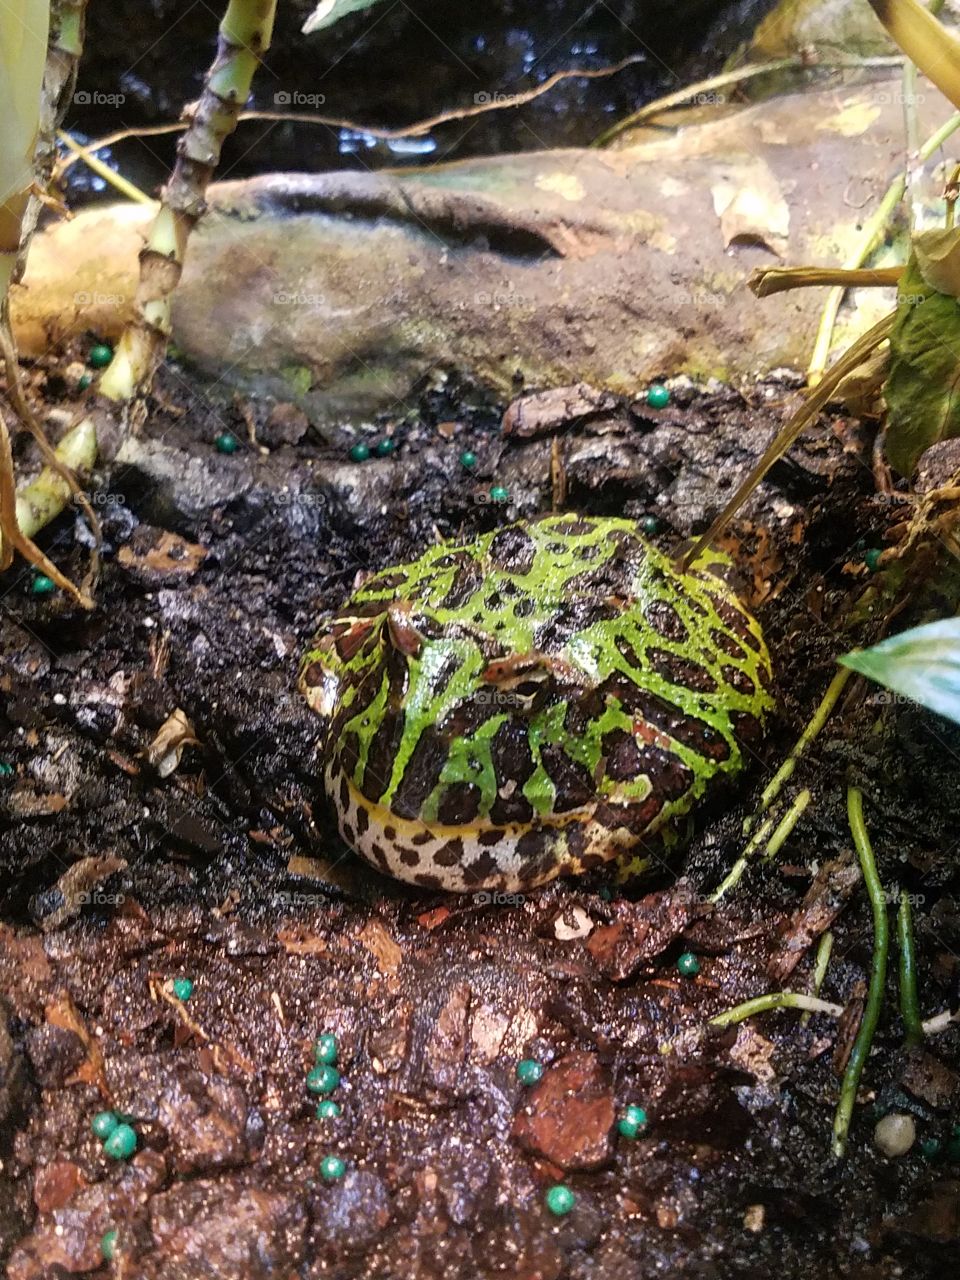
(878, 972)
(776, 1000)
(773, 845)
(117, 180)
(245, 34)
(824, 949)
(24, 27)
(46, 496)
(909, 1001)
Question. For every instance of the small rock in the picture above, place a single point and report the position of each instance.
(929, 1079)
(571, 924)
(351, 1214)
(641, 930)
(54, 1053)
(569, 1116)
(895, 1134)
(55, 1183)
(286, 424)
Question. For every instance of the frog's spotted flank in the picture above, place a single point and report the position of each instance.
(531, 704)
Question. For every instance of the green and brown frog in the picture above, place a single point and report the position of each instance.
(533, 703)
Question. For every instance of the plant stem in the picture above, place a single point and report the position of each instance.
(115, 179)
(909, 1001)
(245, 34)
(824, 948)
(776, 1000)
(878, 972)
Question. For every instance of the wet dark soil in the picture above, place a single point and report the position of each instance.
(120, 874)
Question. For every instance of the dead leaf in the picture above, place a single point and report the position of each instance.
(76, 887)
(172, 737)
(60, 1011)
(749, 202)
(166, 555)
(381, 946)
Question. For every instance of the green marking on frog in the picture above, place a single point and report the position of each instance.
(533, 703)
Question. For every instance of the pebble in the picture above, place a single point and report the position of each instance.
(895, 1134)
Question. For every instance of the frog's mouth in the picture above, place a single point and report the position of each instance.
(463, 859)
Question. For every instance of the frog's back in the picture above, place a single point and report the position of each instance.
(531, 703)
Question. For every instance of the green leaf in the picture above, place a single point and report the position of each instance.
(923, 388)
(922, 664)
(328, 12)
(924, 40)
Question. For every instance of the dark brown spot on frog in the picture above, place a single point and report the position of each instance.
(421, 774)
(682, 671)
(512, 766)
(736, 620)
(573, 783)
(348, 834)
(381, 754)
(467, 580)
(379, 856)
(574, 527)
(726, 643)
(680, 725)
(512, 550)
(739, 680)
(389, 833)
(409, 857)
(523, 608)
(422, 837)
(313, 675)
(428, 882)
(449, 854)
(351, 641)
(490, 837)
(363, 819)
(576, 839)
(665, 620)
(384, 581)
(459, 804)
(480, 869)
(636, 818)
(344, 795)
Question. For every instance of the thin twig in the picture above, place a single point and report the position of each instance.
(820, 965)
(776, 1000)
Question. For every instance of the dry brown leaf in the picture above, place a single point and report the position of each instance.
(172, 737)
(381, 946)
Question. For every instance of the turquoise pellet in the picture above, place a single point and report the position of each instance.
(100, 355)
(688, 964)
(84, 381)
(560, 1199)
(226, 443)
(871, 559)
(650, 525)
(632, 1122)
(6, 770)
(468, 459)
(328, 1109)
(42, 585)
(384, 447)
(359, 452)
(323, 1079)
(529, 1071)
(183, 988)
(325, 1050)
(658, 396)
(122, 1143)
(332, 1168)
(108, 1245)
(498, 493)
(103, 1124)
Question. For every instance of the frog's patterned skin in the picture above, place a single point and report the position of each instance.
(532, 703)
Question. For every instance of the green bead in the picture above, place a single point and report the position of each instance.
(42, 585)
(332, 1168)
(384, 448)
(328, 1109)
(183, 988)
(632, 1122)
(122, 1143)
(650, 525)
(100, 355)
(325, 1049)
(929, 1148)
(84, 381)
(226, 443)
(560, 1199)
(323, 1079)
(529, 1071)
(871, 559)
(499, 494)
(103, 1124)
(6, 770)
(108, 1245)
(359, 452)
(658, 396)
(468, 459)
(688, 964)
